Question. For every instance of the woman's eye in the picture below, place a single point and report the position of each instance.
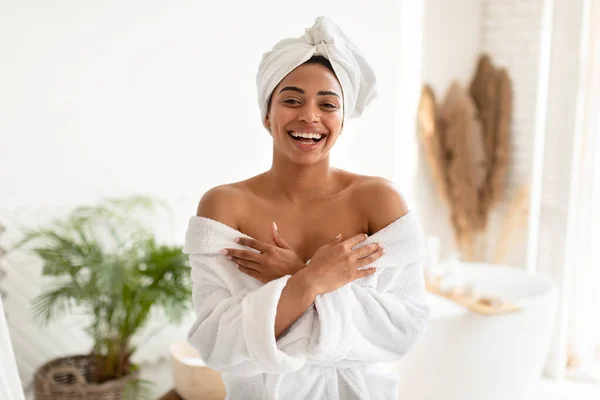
(291, 101)
(329, 105)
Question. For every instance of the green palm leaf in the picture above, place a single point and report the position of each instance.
(105, 260)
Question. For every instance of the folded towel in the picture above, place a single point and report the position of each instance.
(326, 39)
(372, 320)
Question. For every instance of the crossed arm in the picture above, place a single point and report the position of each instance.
(377, 199)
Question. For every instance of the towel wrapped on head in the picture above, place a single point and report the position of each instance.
(324, 38)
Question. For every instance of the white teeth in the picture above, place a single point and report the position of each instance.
(306, 135)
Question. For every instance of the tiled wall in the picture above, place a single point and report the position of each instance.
(512, 34)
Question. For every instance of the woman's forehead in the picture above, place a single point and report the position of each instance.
(311, 78)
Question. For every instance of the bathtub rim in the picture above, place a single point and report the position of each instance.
(548, 289)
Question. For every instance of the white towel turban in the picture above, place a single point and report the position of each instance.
(355, 75)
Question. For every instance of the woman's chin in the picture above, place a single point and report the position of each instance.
(300, 153)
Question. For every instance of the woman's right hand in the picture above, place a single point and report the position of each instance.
(336, 264)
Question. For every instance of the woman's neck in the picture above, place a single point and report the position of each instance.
(297, 182)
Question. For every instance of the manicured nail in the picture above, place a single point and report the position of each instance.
(237, 240)
(224, 251)
(275, 226)
(338, 236)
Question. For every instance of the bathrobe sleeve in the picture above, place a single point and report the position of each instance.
(234, 328)
(378, 318)
(235, 333)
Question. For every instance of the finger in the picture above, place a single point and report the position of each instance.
(254, 274)
(243, 254)
(356, 239)
(253, 243)
(249, 271)
(366, 272)
(335, 241)
(247, 264)
(370, 259)
(366, 250)
(277, 239)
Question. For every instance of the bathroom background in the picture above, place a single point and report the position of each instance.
(117, 98)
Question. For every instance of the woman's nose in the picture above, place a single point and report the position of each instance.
(309, 115)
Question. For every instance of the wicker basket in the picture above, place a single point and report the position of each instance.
(68, 378)
(194, 380)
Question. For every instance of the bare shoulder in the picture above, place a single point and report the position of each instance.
(380, 201)
(221, 203)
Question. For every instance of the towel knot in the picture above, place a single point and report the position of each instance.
(321, 49)
(323, 31)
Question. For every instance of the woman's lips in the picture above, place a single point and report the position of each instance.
(306, 144)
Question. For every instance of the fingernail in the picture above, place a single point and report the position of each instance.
(275, 226)
(224, 251)
(237, 240)
(231, 258)
(338, 236)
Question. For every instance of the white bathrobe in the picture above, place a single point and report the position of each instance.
(336, 349)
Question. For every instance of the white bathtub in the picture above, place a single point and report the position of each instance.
(467, 356)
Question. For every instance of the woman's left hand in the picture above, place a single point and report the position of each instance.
(271, 263)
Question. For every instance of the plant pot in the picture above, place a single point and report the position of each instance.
(68, 378)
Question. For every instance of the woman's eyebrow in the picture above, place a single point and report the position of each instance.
(319, 93)
(292, 88)
(326, 93)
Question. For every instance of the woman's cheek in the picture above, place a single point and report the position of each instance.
(334, 123)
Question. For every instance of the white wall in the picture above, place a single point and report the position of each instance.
(555, 246)
(118, 97)
(115, 97)
(452, 35)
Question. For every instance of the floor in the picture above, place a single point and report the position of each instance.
(160, 374)
(549, 390)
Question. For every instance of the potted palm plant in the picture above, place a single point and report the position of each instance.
(106, 262)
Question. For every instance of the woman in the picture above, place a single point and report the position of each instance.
(309, 306)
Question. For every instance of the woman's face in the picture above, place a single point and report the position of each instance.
(307, 101)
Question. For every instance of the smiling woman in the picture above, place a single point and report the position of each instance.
(273, 324)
